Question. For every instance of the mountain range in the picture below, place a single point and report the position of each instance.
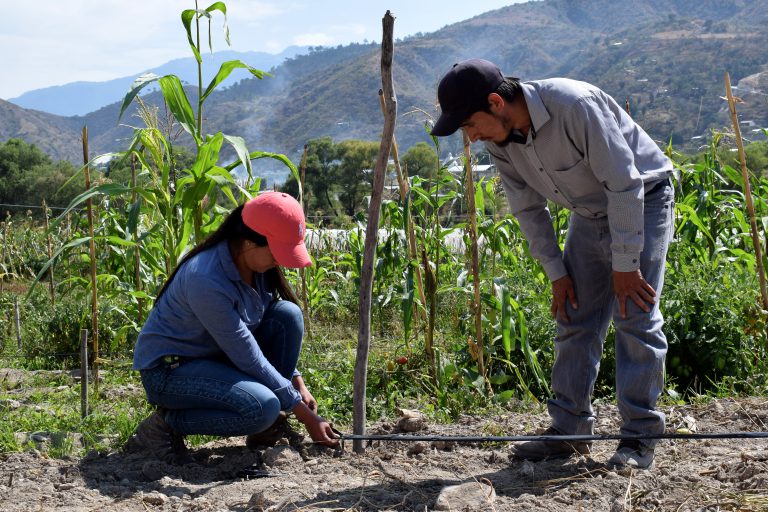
(80, 98)
(664, 59)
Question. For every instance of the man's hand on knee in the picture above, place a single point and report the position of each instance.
(562, 291)
(632, 285)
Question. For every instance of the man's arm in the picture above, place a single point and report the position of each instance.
(595, 125)
(530, 209)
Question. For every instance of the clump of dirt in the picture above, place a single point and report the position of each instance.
(721, 474)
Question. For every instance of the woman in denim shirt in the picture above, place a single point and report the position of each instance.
(219, 350)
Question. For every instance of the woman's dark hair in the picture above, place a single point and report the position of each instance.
(508, 89)
(233, 228)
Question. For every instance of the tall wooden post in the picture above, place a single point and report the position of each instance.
(92, 254)
(371, 233)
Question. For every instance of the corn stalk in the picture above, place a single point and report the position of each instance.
(747, 191)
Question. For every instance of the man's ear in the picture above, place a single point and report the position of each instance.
(496, 103)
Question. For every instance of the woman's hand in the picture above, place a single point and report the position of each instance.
(319, 430)
(306, 396)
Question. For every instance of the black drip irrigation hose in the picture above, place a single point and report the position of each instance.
(570, 438)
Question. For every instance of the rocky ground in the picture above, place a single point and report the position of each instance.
(711, 475)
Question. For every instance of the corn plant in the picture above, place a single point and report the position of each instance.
(166, 209)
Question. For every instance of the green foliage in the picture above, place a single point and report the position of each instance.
(28, 176)
(714, 326)
(156, 200)
(420, 160)
(337, 177)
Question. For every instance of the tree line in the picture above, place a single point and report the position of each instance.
(338, 175)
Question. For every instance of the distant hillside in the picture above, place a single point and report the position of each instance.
(665, 58)
(80, 98)
(57, 136)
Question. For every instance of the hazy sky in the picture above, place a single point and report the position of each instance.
(53, 42)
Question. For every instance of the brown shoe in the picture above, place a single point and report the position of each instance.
(541, 450)
(155, 436)
(280, 429)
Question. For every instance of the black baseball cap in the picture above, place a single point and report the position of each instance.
(463, 91)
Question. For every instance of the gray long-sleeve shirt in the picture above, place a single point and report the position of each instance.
(585, 153)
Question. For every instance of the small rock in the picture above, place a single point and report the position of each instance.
(11, 404)
(411, 420)
(443, 446)
(528, 469)
(153, 470)
(154, 498)
(282, 456)
(409, 424)
(469, 496)
(258, 502)
(495, 456)
(417, 448)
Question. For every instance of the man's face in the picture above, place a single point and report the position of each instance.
(486, 127)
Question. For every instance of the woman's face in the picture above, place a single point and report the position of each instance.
(259, 259)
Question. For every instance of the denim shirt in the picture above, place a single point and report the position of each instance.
(208, 311)
(585, 153)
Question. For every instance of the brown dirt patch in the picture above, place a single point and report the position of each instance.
(730, 474)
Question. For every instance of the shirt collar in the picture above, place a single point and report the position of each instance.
(227, 263)
(536, 109)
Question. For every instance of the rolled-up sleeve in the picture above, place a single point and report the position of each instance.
(217, 312)
(593, 123)
(530, 209)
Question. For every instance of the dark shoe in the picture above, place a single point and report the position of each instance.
(155, 436)
(631, 453)
(542, 450)
(280, 429)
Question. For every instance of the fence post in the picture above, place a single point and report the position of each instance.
(371, 235)
(303, 271)
(83, 373)
(49, 243)
(17, 318)
(92, 255)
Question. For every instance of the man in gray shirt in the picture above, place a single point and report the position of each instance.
(568, 142)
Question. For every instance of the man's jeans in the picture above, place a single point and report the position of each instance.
(640, 343)
(213, 397)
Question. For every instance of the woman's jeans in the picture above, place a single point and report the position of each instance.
(213, 397)
(640, 343)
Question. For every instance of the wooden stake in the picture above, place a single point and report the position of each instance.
(83, 373)
(472, 214)
(2, 256)
(747, 191)
(371, 232)
(92, 254)
(17, 321)
(303, 271)
(51, 286)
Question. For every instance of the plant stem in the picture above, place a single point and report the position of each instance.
(475, 264)
(747, 192)
(199, 80)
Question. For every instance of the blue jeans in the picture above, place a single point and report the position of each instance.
(640, 343)
(213, 397)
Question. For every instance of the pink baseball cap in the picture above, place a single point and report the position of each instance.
(280, 218)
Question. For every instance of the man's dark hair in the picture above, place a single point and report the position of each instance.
(507, 89)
